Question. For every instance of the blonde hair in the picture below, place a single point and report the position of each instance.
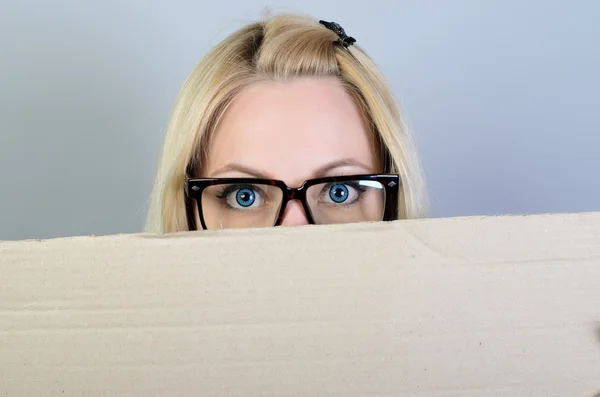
(279, 48)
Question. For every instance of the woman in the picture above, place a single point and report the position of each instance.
(285, 122)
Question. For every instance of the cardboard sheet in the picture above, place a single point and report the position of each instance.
(501, 306)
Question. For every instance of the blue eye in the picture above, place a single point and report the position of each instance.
(338, 193)
(245, 197)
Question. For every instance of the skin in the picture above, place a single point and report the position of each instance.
(292, 131)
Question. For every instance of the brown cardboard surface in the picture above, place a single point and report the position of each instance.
(501, 306)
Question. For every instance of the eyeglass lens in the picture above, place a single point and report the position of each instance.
(247, 205)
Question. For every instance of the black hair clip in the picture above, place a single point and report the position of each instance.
(344, 40)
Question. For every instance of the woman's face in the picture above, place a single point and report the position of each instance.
(292, 131)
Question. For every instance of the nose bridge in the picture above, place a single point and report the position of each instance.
(295, 193)
(294, 213)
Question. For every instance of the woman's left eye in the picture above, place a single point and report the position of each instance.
(340, 193)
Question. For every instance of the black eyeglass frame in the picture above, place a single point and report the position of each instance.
(195, 187)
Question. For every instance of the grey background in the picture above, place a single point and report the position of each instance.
(503, 97)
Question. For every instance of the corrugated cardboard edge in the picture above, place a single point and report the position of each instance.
(440, 307)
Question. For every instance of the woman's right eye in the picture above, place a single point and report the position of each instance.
(243, 198)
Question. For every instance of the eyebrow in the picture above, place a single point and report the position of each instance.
(349, 162)
(243, 169)
(318, 173)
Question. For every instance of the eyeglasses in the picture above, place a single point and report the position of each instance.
(225, 203)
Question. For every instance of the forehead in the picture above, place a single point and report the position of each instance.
(289, 129)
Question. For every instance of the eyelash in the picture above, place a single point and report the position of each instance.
(353, 184)
(226, 190)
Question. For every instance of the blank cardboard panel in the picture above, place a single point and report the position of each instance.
(504, 306)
